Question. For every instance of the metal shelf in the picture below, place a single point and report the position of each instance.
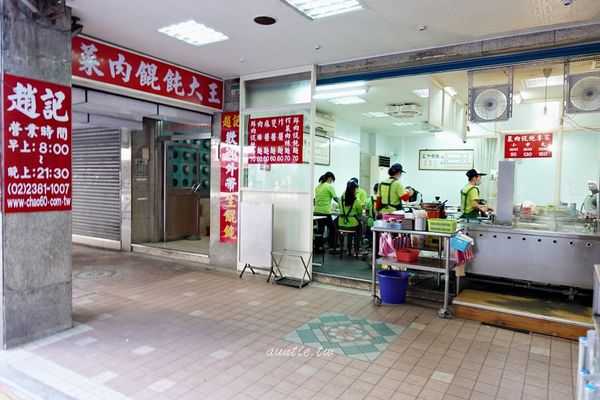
(424, 264)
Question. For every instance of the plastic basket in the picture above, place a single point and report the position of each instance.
(459, 244)
(441, 225)
(407, 255)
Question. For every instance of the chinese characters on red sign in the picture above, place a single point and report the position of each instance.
(97, 61)
(275, 140)
(37, 145)
(533, 145)
(230, 157)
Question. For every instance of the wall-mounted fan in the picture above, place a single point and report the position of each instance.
(582, 93)
(490, 103)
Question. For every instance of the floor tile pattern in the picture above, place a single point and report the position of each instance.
(346, 335)
(215, 345)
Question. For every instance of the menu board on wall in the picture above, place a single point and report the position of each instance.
(37, 145)
(322, 149)
(446, 160)
(533, 145)
(275, 140)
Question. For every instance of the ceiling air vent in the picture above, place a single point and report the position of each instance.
(404, 110)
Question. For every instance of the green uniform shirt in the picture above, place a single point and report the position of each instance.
(324, 193)
(349, 215)
(390, 191)
(467, 195)
(371, 212)
(362, 196)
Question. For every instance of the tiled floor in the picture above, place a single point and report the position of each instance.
(154, 329)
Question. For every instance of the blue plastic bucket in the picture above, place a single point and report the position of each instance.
(393, 285)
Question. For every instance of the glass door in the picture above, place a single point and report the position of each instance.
(181, 183)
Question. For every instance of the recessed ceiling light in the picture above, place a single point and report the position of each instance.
(555, 80)
(421, 28)
(315, 9)
(517, 98)
(403, 123)
(346, 101)
(193, 33)
(424, 93)
(375, 114)
(264, 20)
(340, 93)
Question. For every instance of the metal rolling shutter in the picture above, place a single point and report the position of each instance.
(96, 182)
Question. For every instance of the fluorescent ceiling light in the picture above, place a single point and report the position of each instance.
(343, 93)
(419, 131)
(193, 33)
(403, 123)
(345, 101)
(338, 86)
(315, 9)
(556, 80)
(424, 93)
(375, 114)
(451, 91)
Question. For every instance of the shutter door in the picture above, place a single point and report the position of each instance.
(96, 183)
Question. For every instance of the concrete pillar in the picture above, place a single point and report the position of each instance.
(35, 257)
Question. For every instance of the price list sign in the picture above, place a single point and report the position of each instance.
(276, 140)
(534, 145)
(37, 145)
(230, 158)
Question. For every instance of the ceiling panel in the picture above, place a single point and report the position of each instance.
(385, 27)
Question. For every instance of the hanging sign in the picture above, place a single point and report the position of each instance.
(275, 140)
(37, 145)
(230, 158)
(100, 62)
(534, 145)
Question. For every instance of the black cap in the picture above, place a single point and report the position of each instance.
(394, 169)
(473, 173)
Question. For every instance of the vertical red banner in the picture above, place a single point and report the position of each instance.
(276, 140)
(533, 145)
(37, 145)
(230, 176)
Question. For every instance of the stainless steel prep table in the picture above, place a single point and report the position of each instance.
(424, 264)
(550, 257)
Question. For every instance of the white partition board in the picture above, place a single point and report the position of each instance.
(256, 234)
(291, 228)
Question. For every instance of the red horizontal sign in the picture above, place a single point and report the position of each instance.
(101, 62)
(37, 145)
(533, 145)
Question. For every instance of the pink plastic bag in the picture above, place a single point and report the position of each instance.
(386, 245)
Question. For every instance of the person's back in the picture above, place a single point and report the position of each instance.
(324, 193)
(349, 214)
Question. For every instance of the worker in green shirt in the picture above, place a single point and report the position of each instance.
(469, 196)
(371, 212)
(349, 218)
(324, 194)
(361, 194)
(391, 192)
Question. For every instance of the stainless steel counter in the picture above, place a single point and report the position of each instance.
(560, 257)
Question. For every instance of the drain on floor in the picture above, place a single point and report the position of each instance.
(95, 274)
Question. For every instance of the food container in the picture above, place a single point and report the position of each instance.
(420, 224)
(408, 224)
(441, 225)
(407, 255)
